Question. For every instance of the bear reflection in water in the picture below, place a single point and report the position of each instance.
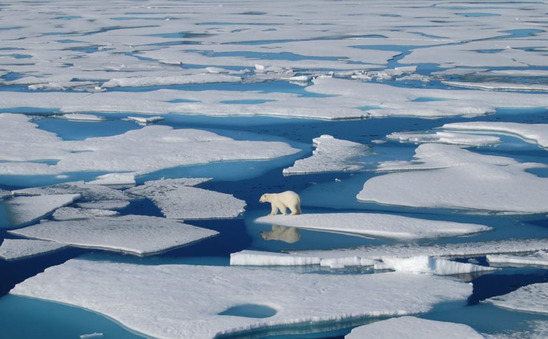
(289, 235)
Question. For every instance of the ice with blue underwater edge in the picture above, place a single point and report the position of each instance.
(456, 63)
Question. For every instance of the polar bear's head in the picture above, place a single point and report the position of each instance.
(264, 197)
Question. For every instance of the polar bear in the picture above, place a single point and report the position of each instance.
(283, 201)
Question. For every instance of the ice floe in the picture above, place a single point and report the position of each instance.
(81, 117)
(105, 204)
(145, 150)
(133, 234)
(145, 120)
(87, 191)
(26, 209)
(71, 213)
(530, 298)
(413, 327)
(170, 80)
(538, 259)
(445, 176)
(375, 225)
(537, 133)
(461, 139)
(178, 199)
(16, 249)
(169, 301)
(331, 155)
(261, 258)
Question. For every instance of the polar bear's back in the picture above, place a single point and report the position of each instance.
(290, 196)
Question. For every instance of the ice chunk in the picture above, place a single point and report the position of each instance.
(24, 210)
(133, 234)
(459, 179)
(105, 204)
(530, 298)
(171, 80)
(412, 327)
(499, 86)
(377, 225)
(177, 300)
(15, 249)
(461, 139)
(539, 258)
(431, 265)
(115, 179)
(260, 258)
(530, 132)
(331, 155)
(87, 191)
(70, 213)
(179, 200)
(146, 120)
(81, 117)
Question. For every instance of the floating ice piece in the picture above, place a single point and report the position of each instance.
(412, 327)
(331, 155)
(81, 117)
(462, 250)
(133, 234)
(459, 179)
(146, 120)
(171, 80)
(179, 200)
(175, 301)
(538, 259)
(24, 210)
(260, 258)
(141, 151)
(71, 213)
(16, 249)
(529, 132)
(105, 204)
(88, 191)
(377, 225)
(499, 86)
(429, 265)
(115, 179)
(531, 298)
(461, 139)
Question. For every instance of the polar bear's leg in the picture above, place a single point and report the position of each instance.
(282, 208)
(295, 210)
(274, 209)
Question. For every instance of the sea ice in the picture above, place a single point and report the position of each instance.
(444, 176)
(141, 151)
(331, 155)
(537, 133)
(16, 249)
(179, 200)
(170, 80)
(412, 327)
(87, 191)
(71, 213)
(105, 204)
(261, 258)
(81, 117)
(530, 298)
(376, 225)
(429, 265)
(175, 301)
(443, 137)
(539, 258)
(133, 234)
(23, 210)
(146, 120)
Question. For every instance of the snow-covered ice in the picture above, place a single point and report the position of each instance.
(141, 151)
(135, 296)
(87, 191)
(446, 176)
(133, 234)
(443, 137)
(375, 225)
(26, 209)
(413, 327)
(16, 249)
(178, 199)
(530, 298)
(105, 204)
(146, 120)
(537, 259)
(262, 258)
(430, 265)
(537, 133)
(70, 213)
(81, 117)
(331, 155)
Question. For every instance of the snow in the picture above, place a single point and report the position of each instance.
(531, 298)
(331, 155)
(141, 151)
(87, 191)
(413, 327)
(133, 234)
(375, 225)
(537, 133)
(429, 265)
(261, 258)
(23, 210)
(105, 204)
(170, 80)
(539, 259)
(445, 176)
(177, 199)
(135, 296)
(81, 117)
(17, 249)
